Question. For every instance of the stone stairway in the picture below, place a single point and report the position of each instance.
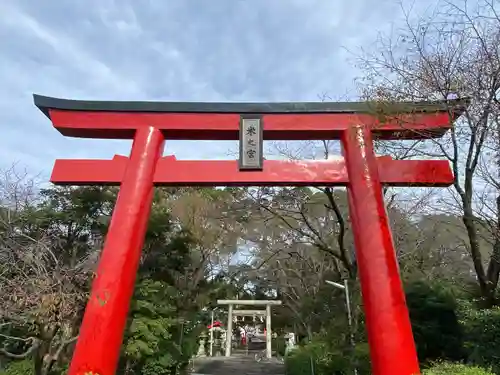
(238, 364)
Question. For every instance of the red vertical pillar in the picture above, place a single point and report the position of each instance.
(101, 333)
(392, 348)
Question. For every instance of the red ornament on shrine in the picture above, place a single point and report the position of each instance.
(215, 325)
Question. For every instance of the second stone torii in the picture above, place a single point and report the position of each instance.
(267, 312)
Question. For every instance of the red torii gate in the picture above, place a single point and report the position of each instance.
(392, 348)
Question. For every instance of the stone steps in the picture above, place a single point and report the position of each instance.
(237, 365)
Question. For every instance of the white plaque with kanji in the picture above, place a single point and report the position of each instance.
(251, 142)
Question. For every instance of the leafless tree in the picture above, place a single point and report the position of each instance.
(41, 297)
(452, 53)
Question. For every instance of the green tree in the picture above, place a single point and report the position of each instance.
(158, 341)
(436, 327)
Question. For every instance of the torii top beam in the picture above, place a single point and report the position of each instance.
(220, 121)
(249, 312)
(248, 302)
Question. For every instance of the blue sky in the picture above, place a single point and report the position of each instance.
(175, 50)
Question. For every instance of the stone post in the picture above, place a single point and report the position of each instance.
(201, 347)
(269, 335)
(229, 333)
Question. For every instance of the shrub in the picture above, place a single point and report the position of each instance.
(482, 335)
(446, 368)
(279, 345)
(436, 327)
(326, 360)
(298, 362)
(24, 367)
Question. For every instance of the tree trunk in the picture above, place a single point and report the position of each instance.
(39, 358)
(493, 271)
(43, 359)
(487, 280)
(309, 332)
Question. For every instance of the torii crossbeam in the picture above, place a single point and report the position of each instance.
(172, 172)
(392, 348)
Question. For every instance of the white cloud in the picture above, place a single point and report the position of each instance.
(224, 50)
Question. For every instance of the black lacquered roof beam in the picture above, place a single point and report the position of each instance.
(46, 103)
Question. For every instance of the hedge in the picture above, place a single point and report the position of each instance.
(448, 368)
